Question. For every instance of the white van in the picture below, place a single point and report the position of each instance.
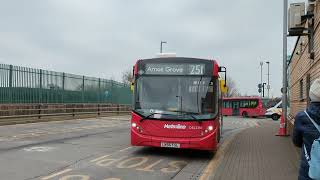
(274, 112)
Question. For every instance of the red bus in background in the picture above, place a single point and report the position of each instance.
(176, 103)
(243, 106)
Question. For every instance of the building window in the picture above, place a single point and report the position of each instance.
(301, 90)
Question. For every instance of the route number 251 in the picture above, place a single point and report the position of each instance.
(196, 69)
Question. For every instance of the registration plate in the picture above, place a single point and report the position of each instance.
(170, 145)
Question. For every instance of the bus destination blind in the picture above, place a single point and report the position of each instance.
(174, 69)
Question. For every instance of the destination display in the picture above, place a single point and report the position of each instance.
(174, 69)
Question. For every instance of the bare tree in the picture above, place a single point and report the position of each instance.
(233, 91)
(127, 76)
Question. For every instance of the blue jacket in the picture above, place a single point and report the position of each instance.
(304, 132)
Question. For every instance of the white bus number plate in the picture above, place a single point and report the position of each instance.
(170, 145)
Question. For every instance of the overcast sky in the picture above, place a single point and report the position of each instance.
(102, 38)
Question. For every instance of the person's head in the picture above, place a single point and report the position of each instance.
(315, 91)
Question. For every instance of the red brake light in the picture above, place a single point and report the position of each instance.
(215, 69)
(136, 68)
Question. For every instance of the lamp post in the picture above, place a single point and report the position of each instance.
(261, 64)
(284, 71)
(268, 85)
(162, 42)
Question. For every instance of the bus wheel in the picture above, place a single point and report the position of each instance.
(244, 114)
(275, 117)
(218, 136)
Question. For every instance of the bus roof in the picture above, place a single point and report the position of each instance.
(212, 65)
(242, 97)
(175, 59)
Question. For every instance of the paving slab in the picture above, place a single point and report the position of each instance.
(257, 154)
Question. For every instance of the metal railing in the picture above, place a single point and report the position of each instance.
(40, 110)
(28, 85)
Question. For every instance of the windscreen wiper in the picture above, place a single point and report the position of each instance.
(146, 117)
(191, 114)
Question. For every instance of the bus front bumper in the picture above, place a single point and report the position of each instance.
(207, 142)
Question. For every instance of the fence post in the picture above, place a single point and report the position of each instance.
(111, 92)
(40, 86)
(118, 109)
(82, 89)
(99, 89)
(99, 96)
(63, 79)
(73, 114)
(39, 107)
(10, 83)
(98, 109)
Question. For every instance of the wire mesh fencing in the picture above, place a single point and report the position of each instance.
(29, 85)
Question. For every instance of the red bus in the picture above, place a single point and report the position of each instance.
(243, 106)
(176, 103)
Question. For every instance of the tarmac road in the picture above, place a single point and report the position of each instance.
(96, 149)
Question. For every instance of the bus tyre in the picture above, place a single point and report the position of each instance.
(244, 114)
(275, 117)
(218, 136)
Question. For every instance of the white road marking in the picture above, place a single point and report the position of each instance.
(56, 174)
(69, 130)
(39, 149)
(125, 149)
(99, 158)
(79, 177)
(123, 119)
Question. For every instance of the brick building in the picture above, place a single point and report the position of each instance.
(304, 65)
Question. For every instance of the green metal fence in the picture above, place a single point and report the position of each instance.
(28, 85)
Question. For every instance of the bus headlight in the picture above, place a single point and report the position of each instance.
(209, 128)
(139, 129)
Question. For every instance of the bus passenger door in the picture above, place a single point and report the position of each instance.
(235, 108)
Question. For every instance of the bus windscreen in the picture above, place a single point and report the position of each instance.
(176, 94)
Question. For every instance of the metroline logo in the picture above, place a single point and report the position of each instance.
(172, 126)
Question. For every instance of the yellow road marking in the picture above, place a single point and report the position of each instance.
(174, 166)
(218, 157)
(56, 174)
(149, 167)
(107, 162)
(126, 164)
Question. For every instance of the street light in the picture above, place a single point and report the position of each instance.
(268, 86)
(162, 42)
(284, 71)
(261, 64)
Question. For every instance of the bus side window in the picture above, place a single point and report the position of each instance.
(244, 103)
(225, 104)
(235, 104)
(228, 104)
(253, 103)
